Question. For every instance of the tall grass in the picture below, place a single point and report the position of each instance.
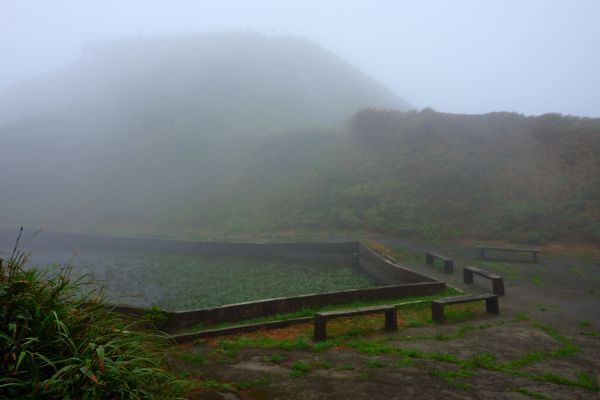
(58, 340)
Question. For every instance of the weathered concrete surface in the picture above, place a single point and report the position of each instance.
(56, 241)
(348, 374)
(236, 312)
(386, 272)
(559, 292)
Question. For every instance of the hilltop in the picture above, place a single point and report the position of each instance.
(228, 83)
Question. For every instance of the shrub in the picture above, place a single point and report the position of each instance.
(58, 340)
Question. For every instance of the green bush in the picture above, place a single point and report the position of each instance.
(58, 340)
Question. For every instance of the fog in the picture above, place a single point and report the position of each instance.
(462, 56)
(237, 173)
(240, 119)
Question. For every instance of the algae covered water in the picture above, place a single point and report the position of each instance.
(176, 282)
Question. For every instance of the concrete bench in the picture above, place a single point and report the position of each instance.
(437, 306)
(391, 321)
(448, 263)
(497, 281)
(483, 249)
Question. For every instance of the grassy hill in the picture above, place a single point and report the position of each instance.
(434, 175)
(428, 174)
(243, 134)
(138, 126)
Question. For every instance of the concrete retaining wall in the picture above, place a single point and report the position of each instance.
(398, 281)
(237, 329)
(384, 271)
(56, 241)
(181, 320)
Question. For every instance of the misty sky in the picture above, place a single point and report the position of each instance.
(526, 56)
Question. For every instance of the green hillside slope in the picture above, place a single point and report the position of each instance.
(138, 126)
(494, 176)
(243, 134)
(428, 174)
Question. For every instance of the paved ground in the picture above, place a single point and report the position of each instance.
(544, 345)
(558, 290)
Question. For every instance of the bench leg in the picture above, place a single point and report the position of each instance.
(391, 321)
(320, 328)
(467, 275)
(448, 266)
(498, 286)
(437, 312)
(491, 306)
(428, 259)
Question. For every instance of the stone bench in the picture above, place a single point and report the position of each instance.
(497, 281)
(483, 249)
(437, 306)
(321, 318)
(448, 263)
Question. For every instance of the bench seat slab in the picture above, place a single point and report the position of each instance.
(437, 306)
(320, 329)
(534, 252)
(497, 280)
(448, 262)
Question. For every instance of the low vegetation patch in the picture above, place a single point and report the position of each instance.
(458, 371)
(300, 368)
(58, 340)
(531, 393)
(186, 282)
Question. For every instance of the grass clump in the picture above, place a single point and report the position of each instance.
(376, 363)
(323, 364)
(483, 360)
(234, 345)
(262, 381)
(522, 316)
(300, 368)
(403, 362)
(59, 341)
(531, 393)
(370, 347)
(156, 315)
(591, 334)
(588, 381)
(537, 281)
(275, 358)
(234, 387)
(214, 385)
(453, 378)
(345, 367)
(196, 358)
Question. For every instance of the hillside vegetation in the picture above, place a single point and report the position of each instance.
(139, 126)
(245, 135)
(60, 340)
(495, 176)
